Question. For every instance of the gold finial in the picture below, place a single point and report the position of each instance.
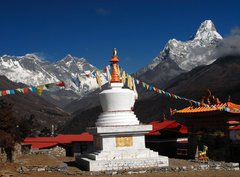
(115, 68)
(115, 52)
(114, 57)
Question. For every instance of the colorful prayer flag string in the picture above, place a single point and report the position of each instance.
(39, 89)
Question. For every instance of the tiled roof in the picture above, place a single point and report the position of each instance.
(228, 106)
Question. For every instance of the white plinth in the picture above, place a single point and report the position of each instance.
(112, 153)
(119, 141)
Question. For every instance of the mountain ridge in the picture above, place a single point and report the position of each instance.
(33, 70)
(199, 50)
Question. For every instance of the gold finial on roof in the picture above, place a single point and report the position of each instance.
(115, 52)
(114, 57)
(115, 68)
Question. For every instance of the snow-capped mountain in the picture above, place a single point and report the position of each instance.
(28, 69)
(199, 50)
(32, 70)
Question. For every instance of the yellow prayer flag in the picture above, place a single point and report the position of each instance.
(19, 89)
(40, 89)
(130, 83)
(123, 77)
(98, 79)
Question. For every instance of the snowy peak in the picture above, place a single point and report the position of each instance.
(200, 50)
(67, 58)
(207, 31)
(32, 57)
(75, 63)
(32, 70)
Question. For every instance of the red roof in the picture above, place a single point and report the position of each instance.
(46, 142)
(235, 127)
(43, 145)
(228, 106)
(167, 124)
(73, 138)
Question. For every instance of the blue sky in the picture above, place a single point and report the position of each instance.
(139, 29)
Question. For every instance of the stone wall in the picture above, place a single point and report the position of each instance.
(15, 154)
(3, 155)
(57, 151)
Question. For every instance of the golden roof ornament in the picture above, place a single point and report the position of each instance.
(115, 52)
(115, 68)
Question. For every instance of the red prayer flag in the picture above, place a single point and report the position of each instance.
(60, 84)
(25, 90)
(4, 92)
(171, 111)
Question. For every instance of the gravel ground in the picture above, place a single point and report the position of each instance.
(45, 162)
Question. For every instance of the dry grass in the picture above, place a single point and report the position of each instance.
(39, 160)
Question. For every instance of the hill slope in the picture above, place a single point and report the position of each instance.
(27, 104)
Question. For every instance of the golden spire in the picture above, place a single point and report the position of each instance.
(115, 68)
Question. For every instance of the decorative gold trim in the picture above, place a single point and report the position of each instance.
(124, 141)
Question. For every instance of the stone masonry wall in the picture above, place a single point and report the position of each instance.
(55, 151)
(15, 154)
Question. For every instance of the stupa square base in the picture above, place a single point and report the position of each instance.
(122, 164)
(120, 148)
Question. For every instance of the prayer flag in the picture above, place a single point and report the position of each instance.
(123, 77)
(18, 89)
(130, 82)
(150, 87)
(40, 89)
(25, 90)
(147, 86)
(135, 90)
(4, 92)
(137, 81)
(48, 86)
(34, 89)
(12, 92)
(60, 84)
(98, 79)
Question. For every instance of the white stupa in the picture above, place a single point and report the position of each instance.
(119, 141)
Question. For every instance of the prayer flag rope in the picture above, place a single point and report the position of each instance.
(34, 89)
(173, 96)
(130, 81)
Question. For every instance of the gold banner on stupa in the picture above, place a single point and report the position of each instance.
(124, 141)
